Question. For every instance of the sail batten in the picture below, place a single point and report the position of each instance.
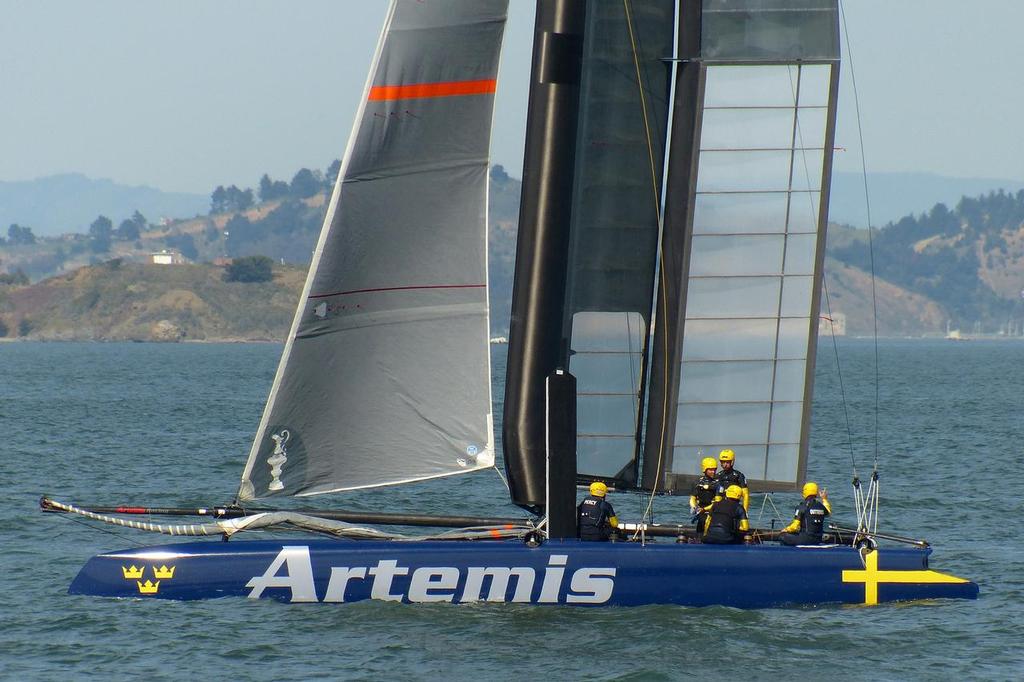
(385, 374)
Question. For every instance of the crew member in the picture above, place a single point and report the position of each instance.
(595, 517)
(727, 521)
(808, 524)
(703, 494)
(729, 476)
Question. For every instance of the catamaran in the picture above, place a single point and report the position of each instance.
(666, 302)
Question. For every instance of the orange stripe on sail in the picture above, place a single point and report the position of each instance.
(380, 93)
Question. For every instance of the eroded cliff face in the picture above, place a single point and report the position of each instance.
(900, 312)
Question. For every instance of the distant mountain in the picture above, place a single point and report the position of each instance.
(69, 203)
(894, 195)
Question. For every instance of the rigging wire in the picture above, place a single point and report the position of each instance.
(120, 536)
(839, 372)
(867, 204)
(867, 503)
(660, 256)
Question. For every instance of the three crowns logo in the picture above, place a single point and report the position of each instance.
(132, 572)
(135, 573)
(148, 587)
(164, 572)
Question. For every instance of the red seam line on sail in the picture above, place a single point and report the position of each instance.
(429, 286)
(379, 93)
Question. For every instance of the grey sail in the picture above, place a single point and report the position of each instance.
(385, 376)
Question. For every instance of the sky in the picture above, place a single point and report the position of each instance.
(185, 95)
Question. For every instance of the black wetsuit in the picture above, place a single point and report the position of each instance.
(704, 489)
(811, 513)
(724, 525)
(728, 477)
(593, 515)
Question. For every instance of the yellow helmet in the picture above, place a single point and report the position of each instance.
(726, 456)
(708, 463)
(810, 488)
(598, 489)
(734, 492)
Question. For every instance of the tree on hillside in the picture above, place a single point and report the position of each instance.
(184, 243)
(331, 176)
(218, 200)
(127, 231)
(16, 278)
(100, 233)
(250, 269)
(272, 189)
(305, 184)
(241, 232)
(16, 234)
(225, 199)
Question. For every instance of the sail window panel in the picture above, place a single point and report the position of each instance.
(796, 295)
(793, 338)
(720, 382)
(753, 213)
(815, 82)
(749, 86)
(733, 297)
(810, 129)
(747, 129)
(790, 380)
(617, 373)
(735, 339)
(744, 171)
(786, 418)
(769, 29)
(604, 456)
(606, 415)
(736, 255)
(749, 458)
(607, 332)
(782, 461)
(801, 250)
(807, 165)
(803, 212)
(722, 423)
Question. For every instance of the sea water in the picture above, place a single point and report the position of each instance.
(170, 425)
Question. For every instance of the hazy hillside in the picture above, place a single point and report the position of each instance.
(969, 259)
(963, 265)
(61, 204)
(894, 195)
(69, 203)
(129, 302)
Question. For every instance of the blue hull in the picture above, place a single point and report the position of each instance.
(558, 572)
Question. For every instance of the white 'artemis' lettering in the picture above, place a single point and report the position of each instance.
(299, 577)
(383, 573)
(553, 575)
(499, 576)
(433, 578)
(338, 583)
(592, 585)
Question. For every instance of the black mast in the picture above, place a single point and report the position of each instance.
(538, 295)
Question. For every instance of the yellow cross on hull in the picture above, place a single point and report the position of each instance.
(872, 577)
